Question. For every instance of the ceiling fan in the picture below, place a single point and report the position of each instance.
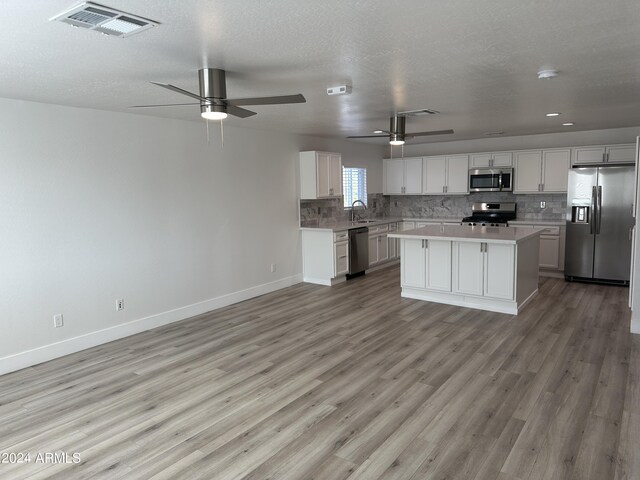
(213, 101)
(396, 132)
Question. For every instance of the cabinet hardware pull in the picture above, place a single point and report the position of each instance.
(630, 233)
(604, 157)
(426, 243)
(342, 256)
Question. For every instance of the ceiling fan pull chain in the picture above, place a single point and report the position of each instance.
(402, 150)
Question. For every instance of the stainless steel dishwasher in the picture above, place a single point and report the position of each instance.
(358, 251)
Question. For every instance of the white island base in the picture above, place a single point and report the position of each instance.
(488, 268)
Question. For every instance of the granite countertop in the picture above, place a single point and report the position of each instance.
(336, 226)
(525, 221)
(434, 219)
(470, 233)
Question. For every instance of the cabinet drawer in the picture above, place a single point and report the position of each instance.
(340, 236)
(549, 230)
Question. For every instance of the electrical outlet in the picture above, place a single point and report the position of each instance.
(119, 305)
(57, 321)
(273, 267)
(543, 204)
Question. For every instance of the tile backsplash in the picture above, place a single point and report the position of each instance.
(329, 211)
(442, 206)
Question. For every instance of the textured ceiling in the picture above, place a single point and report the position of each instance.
(474, 61)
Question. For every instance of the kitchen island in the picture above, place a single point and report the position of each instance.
(489, 268)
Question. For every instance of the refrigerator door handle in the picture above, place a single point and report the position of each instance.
(599, 210)
(592, 219)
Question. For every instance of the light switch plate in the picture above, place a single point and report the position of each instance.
(543, 204)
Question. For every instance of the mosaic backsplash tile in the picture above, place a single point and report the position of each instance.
(325, 212)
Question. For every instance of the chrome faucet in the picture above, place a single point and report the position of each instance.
(353, 210)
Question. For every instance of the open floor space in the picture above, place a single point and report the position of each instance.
(347, 382)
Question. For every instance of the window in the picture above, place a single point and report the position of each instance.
(354, 185)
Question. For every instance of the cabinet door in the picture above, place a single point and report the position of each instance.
(412, 263)
(335, 175)
(528, 171)
(341, 259)
(621, 153)
(502, 159)
(435, 175)
(392, 247)
(383, 248)
(499, 272)
(458, 174)
(413, 176)
(323, 166)
(550, 251)
(555, 170)
(394, 176)
(468, 268)
(582, 155)
(373, 249)
(438, 265)
(480, 159)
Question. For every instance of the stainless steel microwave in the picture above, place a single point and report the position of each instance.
(491, 180)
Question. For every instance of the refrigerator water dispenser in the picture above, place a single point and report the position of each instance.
(579, 214)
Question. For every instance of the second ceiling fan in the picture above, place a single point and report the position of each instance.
(397, 133)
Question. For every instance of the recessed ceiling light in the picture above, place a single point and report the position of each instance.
(554, 114)
(378, 131)
(546, 74)
(568, 124)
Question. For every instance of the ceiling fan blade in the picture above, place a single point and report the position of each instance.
(282, 99)
(179, 90)
(166, 105)
(369, 136)
(433, 132)
(239, 112)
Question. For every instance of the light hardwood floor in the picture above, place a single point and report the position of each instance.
(349, 382)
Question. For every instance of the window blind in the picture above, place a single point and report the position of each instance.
(354, 185)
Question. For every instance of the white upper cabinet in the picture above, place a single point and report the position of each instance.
(542, 171)
(555, 170)
(497, 159)
(446, 175)
(604, 154)
(403, 176)
(320, 175)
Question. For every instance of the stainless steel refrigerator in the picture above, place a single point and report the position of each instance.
(599, 224)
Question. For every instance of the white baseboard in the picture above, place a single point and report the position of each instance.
(38, 355)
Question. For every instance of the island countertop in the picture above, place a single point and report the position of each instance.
(470, 233)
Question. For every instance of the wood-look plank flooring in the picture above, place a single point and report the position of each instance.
(349, 382)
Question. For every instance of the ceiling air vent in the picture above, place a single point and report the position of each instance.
(104, 20)
(418, 113)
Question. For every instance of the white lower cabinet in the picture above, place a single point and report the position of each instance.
(552, 243)
(484, 269)
(378, 244)
(426, 264)
(341, 258)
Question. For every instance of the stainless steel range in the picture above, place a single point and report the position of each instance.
(491, 214)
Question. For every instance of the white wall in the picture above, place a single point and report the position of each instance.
(96, 206)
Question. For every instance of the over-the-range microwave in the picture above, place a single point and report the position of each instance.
(491, 180)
